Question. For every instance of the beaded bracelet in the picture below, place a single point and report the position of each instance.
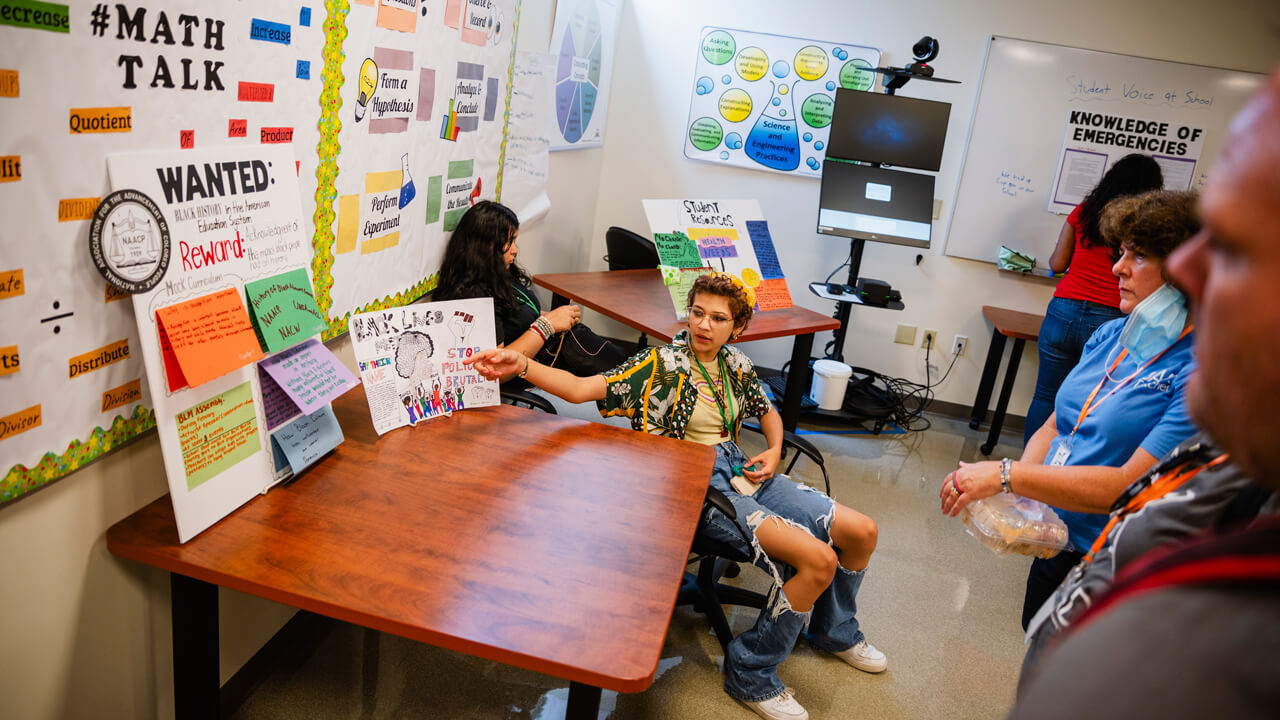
(542, 326)
(1006, 471)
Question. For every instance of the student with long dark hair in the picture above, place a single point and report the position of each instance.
(480, 261)
(1087, 296)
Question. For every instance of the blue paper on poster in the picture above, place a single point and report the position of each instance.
(279, 461)
(268, 31)
(304, 69)
(304, 17)
(762, 243)
(308, 438)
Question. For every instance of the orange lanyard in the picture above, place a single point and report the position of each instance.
(1089, 405)
(1158, 488)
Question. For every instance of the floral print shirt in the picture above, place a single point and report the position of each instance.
(654, 388)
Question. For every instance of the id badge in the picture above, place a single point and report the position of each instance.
(1060, 450)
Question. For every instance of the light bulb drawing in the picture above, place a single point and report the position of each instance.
(368, 83)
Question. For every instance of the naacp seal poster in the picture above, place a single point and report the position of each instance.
(391, 115)
(129, 241)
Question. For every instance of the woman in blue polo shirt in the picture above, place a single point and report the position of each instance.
(1120, 409)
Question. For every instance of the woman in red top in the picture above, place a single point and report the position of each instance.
(1088, 295)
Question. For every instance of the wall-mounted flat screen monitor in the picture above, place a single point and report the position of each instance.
(870, 203)
(888, 129)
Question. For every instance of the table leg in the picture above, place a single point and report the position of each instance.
(584, 702)
(1006, 390)
(194, 607)
(797, 380)
(988, 382)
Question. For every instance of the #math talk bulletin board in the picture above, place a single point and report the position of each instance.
(392, 111)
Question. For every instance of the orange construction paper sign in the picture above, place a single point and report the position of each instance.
(209, 336)
(772, 294)
(172, 370)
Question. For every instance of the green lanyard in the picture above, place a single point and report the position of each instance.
(526, 300)
(724, 376)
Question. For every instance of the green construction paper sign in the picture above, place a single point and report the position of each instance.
(217, 433)
(677, 250)
(283, 309)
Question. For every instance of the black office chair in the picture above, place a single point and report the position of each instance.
(702, 589)
(792, 442)
(523, 398)
(630, 251)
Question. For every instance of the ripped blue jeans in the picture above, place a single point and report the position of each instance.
(751, 661)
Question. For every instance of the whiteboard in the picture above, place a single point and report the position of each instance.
(1028, 91)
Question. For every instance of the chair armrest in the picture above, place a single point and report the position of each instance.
(720, 501)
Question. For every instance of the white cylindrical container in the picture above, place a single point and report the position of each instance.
(830, 378)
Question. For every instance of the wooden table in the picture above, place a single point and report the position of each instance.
(1005, 323)
(530, 539)
(637, 298)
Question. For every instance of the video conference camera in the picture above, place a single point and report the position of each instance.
(924, 51)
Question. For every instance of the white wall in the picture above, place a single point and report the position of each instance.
(84, 634)
(648, 110)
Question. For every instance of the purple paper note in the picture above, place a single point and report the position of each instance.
(275, 401)
(310, 374)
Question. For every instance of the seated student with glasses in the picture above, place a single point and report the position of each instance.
(700, 389)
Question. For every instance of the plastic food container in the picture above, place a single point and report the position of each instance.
(1009, 523)
(830, 379)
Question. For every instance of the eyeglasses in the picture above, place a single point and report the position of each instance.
(697, 314)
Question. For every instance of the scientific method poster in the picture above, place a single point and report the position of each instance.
(764, 102)
(424, 88)
(410, 360)
(1094, 140)
(582, 40)
(726, 235)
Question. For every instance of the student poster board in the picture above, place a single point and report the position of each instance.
(229, 220)
(726, 235)
(411, 360)
(764, 102)
(1050, 118)
(82, 80)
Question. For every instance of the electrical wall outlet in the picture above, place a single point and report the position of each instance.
(959, 344)
(906, 334)
(937, 209)
(930, 339)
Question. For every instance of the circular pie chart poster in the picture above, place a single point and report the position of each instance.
(583, 40)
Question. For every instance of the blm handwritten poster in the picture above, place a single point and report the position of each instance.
(410, 360)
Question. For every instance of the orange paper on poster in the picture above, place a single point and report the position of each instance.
(207, 337)
(772, 294)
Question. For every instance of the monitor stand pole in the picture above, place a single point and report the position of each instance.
(835, 349)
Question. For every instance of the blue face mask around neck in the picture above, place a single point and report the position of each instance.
(1155, 323)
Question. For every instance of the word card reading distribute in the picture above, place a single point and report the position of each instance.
(310, 374)
(284, 309)
(205, 338)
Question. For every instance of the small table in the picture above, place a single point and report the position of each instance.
(1021, 327)
(638, 299)
(550, 554)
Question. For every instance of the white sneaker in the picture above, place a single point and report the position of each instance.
(779, 707)
(865, 657)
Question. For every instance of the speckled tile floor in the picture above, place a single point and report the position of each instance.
(941, 606)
